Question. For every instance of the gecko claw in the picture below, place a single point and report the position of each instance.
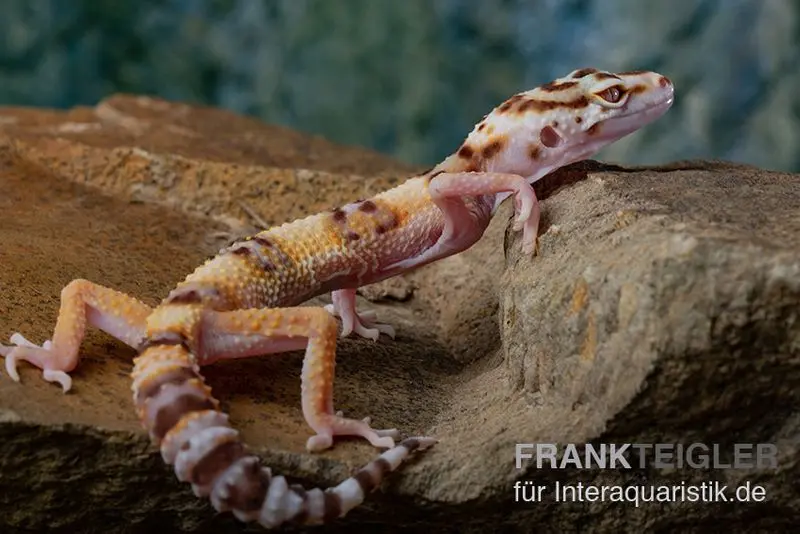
(328, 426)
(391, 432)
(11, 365)
(39, 356)
(58, 376)
(375, 331)
(360, 323)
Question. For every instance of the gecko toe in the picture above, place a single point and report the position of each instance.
(369, 333)
(20, 341)
(58, 376)
(385, 442)
(320, 442)
(388, 432)
(384, 328)
(425, 442)
(373, 330)
(11, 366)
(42, 357)
(368, 315)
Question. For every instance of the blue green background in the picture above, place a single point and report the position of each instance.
(410, 78)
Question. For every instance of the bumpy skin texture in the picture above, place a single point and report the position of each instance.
(245, 301)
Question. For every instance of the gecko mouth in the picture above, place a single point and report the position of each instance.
(631, 121)
(657, 107)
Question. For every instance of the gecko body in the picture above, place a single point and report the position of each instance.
(246, 301)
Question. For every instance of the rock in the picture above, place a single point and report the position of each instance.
(201, 160)
(662, 309)
(79, 461)
(665, 309)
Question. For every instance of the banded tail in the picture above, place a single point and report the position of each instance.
(177, 409)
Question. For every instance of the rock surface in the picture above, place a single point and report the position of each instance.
(662, 308)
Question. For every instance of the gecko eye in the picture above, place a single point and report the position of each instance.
(612, 95)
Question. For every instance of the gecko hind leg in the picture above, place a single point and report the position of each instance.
(253, 332)
(82, 303)
(362, 323)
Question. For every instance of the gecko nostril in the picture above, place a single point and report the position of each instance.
(663, 81)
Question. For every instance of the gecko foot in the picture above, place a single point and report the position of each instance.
(526, 207)
(362, 323)
(336, 425)
(42, 357)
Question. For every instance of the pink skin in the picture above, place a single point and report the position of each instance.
(363, 324)
(466, 199)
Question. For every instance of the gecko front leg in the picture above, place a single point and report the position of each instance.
(363, 323)
(448, 189)
(82, 303)
(253, 332)
(463, 224)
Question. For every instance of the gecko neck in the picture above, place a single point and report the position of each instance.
(456, 163)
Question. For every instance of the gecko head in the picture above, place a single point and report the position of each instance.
(619, 104)
(589, 109)
(569, 119)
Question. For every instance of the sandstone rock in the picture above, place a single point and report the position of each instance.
(663, 309)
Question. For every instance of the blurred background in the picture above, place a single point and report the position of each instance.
(411, 77)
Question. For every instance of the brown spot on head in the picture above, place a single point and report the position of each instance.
(339, 215)
(474, 166)
(637, 89)
(525, 106)
(490, 150)
(465, 152)
(605, 76)
(663, 81)
(508, 104)
(367, 206)
(534, 151)
(553, 87)
(632, 72)
(549, 105)
(549, 137)
(594, 129)
(583, 72)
